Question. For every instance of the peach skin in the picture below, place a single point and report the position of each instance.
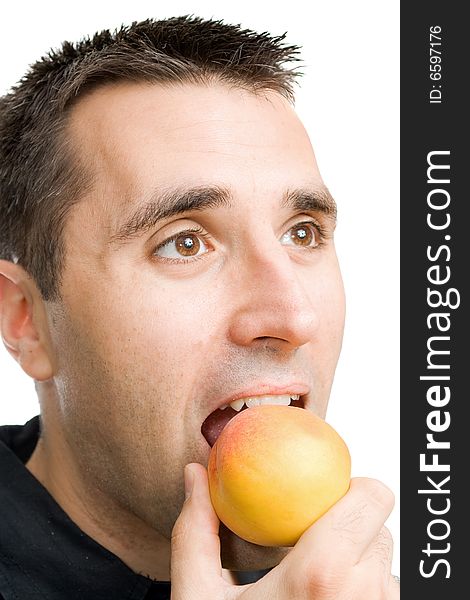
(275, 470)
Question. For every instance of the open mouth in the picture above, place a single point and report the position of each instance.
(217, 420)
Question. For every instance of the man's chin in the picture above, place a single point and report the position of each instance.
(239, 555)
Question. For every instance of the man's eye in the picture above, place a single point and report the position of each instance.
(184, 245)
(302, 234)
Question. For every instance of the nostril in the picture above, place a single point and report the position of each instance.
(272, 344)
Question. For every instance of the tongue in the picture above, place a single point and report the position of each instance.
(215, 422)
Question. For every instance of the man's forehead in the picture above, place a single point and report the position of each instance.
(128, 116)
(148, 164)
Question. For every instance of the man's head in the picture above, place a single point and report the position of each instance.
(173, 246)
(41, 176)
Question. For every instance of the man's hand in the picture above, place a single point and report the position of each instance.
(344, 555)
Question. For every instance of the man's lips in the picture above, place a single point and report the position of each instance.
(290, 389)
(218, 418)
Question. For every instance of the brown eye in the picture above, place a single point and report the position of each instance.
(187, 244)
(183, 246)
(302, 234)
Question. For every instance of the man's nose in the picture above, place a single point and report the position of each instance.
(274, 307)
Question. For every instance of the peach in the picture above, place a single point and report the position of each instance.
(274, 470)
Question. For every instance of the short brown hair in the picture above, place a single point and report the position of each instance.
(39, 176)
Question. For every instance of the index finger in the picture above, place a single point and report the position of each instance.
(343, 534)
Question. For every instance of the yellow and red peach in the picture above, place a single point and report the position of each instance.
(275, 470)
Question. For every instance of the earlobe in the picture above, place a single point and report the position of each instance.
(21, 329)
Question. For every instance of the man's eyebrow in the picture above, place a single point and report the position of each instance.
(315, 199)
(167, 204)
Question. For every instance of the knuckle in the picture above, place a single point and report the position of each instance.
(383, 547)
(378, 492)
(373, 585)
(322, 578)
(386, 536)
(350, 522)
(324, 585)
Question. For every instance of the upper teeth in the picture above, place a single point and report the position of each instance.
(257, 400)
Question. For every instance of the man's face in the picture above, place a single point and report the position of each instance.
(165, 315)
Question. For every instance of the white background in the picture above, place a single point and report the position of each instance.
(349, 102)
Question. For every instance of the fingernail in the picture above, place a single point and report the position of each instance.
(188, 481)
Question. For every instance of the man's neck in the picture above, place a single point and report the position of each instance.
(137, 544)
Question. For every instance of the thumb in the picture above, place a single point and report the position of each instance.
(195, 546)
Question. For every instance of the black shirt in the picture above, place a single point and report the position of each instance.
(43, 553)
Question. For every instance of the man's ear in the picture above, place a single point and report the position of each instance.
(23, 322)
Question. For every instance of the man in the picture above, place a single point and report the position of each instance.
(167, 248)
